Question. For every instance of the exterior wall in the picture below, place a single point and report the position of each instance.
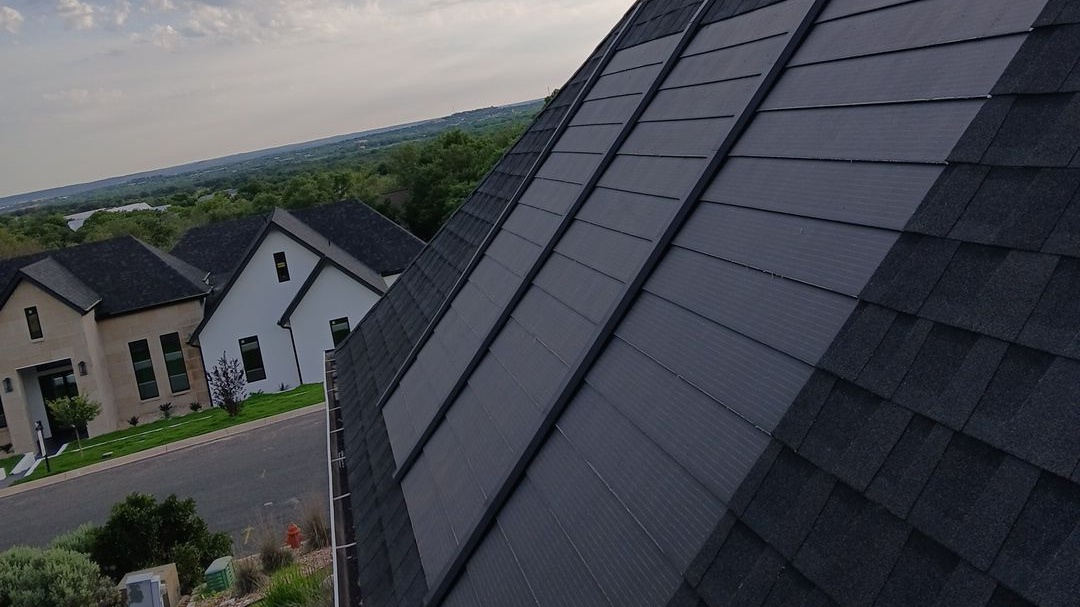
(64, 338)
(333, 295)
(103, 346)
(254, 306)
(117, 333)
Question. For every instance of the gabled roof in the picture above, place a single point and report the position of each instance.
(219, 247)
(321, 243)
(785, 316)
(114, 277)
(362, 232)
(366, 234)
(65, 286)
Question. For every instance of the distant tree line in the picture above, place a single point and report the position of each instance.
(432, 178)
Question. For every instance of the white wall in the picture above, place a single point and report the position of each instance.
(253, 307)
(333, 295)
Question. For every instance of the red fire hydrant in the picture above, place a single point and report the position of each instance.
(292, 537)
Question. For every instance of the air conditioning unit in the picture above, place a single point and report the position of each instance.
(145, 590)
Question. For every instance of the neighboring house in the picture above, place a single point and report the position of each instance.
(290, 285)
(77, 220)
(109, 320)
(775, 304)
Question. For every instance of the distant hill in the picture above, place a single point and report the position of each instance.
(296, 152)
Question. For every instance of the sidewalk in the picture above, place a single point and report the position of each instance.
(187, 443)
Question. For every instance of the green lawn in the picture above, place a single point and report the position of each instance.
(7, 463)
(165, 431)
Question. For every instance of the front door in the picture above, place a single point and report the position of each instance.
(54, 386)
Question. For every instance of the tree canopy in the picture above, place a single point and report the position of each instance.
(430, 178)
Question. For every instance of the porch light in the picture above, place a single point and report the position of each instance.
(82, 368)
(7, 385)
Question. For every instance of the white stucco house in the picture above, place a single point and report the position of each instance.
(289, 285)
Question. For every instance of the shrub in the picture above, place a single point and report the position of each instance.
(166, 410)
(195, 407)
(313, 523)
(247, 577)
(142, 533)
(293, 588)
(228, 385)
(31, 577)
(273, 555)
(133, 421)
(6, 448)
(81, 539)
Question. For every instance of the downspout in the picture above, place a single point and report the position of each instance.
(296, 357)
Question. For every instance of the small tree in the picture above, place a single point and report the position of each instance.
(75, 412)
(228, 385)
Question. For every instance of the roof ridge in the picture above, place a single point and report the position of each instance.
(196, 276)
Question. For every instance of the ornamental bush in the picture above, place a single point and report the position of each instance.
(81, 539)
(31, 577)
(142, 533)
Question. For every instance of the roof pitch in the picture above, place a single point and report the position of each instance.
(360, 231)
(219, 247)
(370, 358)
(809, 340)
(49, 274)
(125, 274)
(364, 233)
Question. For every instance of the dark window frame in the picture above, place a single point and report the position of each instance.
(172, 350)
(281, 265)
(145, 377)
(252, 360)
(338, 334)
(3, 416)
(33, 323)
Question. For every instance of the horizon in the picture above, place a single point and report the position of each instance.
(97, 90)
(255, 151)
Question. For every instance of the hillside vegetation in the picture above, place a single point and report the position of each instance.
(417, 183)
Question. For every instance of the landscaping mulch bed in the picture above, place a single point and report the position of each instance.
(309, 562)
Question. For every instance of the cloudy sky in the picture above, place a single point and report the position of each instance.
(99, 88)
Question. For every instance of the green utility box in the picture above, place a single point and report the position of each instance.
(219, 575)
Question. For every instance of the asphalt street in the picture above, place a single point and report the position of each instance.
(237, 482)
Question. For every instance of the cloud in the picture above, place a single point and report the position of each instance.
(10, 19)
(78, 97)
(166, 37)
(75, 14)
(153, 6)
(119, 14)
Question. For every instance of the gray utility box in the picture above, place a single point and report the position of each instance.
(144, 590)
(156, 587)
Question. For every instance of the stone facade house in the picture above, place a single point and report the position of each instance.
(108, 320)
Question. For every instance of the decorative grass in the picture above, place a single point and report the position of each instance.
(165, 431)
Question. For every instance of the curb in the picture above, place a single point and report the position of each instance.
(180, 445)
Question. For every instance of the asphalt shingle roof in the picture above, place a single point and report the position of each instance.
(125, 274)
(795, 327)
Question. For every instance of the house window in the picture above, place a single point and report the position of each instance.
(339, 330)
(144, 369)
(252, 358)
(174, 363)
(33, 322)
(3, 418)
(282, 267)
